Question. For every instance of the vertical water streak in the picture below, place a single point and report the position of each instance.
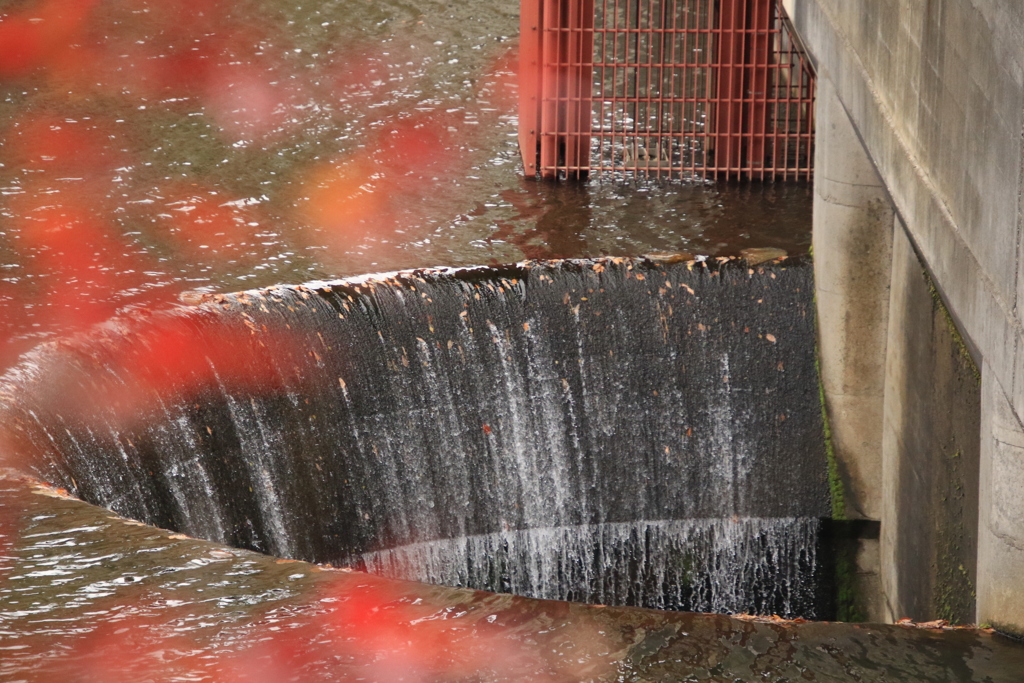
(263, 457)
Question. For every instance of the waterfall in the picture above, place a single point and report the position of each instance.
(610, 430)
(706, 565)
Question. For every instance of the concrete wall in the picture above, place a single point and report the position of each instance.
(930, 454)
(852, 251)
(1000, 548)
(852, 241)
(935, 93)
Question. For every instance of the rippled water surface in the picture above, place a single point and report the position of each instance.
(91, 597)
(225, 145)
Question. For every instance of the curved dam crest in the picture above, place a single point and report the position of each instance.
(623, 431)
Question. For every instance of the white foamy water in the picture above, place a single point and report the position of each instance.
(705, 565)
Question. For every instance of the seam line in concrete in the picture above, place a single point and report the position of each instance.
(1006, 539)
(842, 182)
(1013, 372)
(829, 200)
(856, 394)
(1020, 228)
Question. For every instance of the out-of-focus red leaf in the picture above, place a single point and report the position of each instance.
(41, 35)
(177, 358)
(183, 357)
(46, 142)
(85, 266)
(345, 198)
(498, 88)
(397, 638)
(12, 319)
(415, 147)
(126, 649)
(204, 225)
(250, 102)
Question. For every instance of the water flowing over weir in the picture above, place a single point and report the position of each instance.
(623, 431)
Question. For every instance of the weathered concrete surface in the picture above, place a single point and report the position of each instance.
(853, 221)
(1000, 547)
(935, 91)
(930, 455)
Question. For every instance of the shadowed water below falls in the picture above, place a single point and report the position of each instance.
(618, 431)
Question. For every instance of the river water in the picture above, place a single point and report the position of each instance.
(254, 142)
(93, 597)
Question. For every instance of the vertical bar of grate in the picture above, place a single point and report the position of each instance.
(598, 104)
(579, 70)
(672, 120)
(807, 78)
(633, 58)
(610, 62)
(756, 95)
(646, 36)
(729, 90)
(571, 36)
(795, 113)
(585, 117)
(549, 112)
(791, 123)
(683, 43)
(529, 83)
(647, 142)
(710, 108)
(611, 74)
(663, 149)
(775, 103)
(808, 146)
(783, 122)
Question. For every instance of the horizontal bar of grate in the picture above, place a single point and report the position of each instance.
(647, 31)
(657, 65)
(599, 134)
(740, 100)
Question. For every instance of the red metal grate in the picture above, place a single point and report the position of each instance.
(681, 88)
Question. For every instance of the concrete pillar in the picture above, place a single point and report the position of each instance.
(853, 219)
(1000, 512)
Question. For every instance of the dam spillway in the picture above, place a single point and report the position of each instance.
(622, 431)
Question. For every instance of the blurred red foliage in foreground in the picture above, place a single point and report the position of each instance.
(41, 35)
(64, 232)
(76, 163)
(362, 629)
(181, 358)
